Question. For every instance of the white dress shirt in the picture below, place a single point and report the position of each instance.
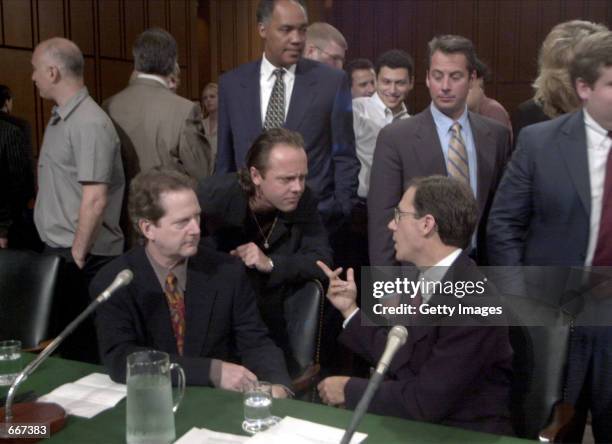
(598, 147)
(370, 115)
(266, 83)
(158, 79)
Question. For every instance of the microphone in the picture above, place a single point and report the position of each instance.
(28, 413)
(395, 339)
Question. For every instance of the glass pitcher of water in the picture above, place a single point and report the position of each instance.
(150, 410)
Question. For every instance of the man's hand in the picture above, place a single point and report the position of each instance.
(253, 257)
(3, 242)
(279, 392)
(331, 390)
(80, 262)
(342, 294)
(235, 377)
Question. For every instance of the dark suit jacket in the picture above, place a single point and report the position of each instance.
(457, 376)
(541, 213)
(411, 148)
(320, 110)
(221, 319)
(297, 242)
(528, 113)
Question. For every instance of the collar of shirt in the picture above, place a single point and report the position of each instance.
(267, 70)
(444, 122)
(596, 133)
(437, 272)
(158, 79)
(64, 111)
(179, 270)
(386, 111)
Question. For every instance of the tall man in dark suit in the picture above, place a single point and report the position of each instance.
(452, 375)
(283, 89)
(195, 305)
(443, 139)
(554, 207)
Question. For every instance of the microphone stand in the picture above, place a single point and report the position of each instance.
(42, 412)
(362, 407)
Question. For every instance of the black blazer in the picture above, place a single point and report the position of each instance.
(222, 320)
(411, 148)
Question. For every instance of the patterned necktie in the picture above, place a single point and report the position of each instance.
(275, 114)
(176, 304)
(457, 162)
(603, 250)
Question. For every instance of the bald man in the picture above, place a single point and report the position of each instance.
(80, 174)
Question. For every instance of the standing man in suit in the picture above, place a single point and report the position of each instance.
(195, 305)
(283, 89)
(453, 375)
(156, 126)
(554, 207)
(443, 139)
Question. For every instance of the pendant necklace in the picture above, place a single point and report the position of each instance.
(266, 245)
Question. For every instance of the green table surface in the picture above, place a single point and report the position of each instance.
(221, 411)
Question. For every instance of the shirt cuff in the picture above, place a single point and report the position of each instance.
(215, 372)
(349, 317)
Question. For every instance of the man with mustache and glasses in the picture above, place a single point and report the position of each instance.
(443, 139)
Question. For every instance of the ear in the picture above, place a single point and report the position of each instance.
(261, 28)
(411, 83)
(472, 79)
(428, 225)
(308, 50)
(583, 89)
(147, 228)
(427, 78)
(54, 73)
(256, 176)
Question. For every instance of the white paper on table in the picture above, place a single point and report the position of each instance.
(87, 396)
(205, 436)
(298, 431)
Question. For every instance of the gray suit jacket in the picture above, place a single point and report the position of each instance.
(159, 128)
(411, 148)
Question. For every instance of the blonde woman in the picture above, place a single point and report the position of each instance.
(209, 108)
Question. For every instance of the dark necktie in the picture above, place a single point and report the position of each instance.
(275, 114)
(176, 304)
(603, 250)
(457, 162)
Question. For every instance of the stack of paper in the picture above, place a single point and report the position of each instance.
(88, 396)
(298, 431)
(205, 436)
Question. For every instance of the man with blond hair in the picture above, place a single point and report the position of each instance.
(325, 44)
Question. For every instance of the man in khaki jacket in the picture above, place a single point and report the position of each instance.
(156, 126)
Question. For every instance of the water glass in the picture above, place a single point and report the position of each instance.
(257, 407)
(10, 361)
(150, 411)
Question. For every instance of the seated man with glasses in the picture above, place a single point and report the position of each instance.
(452, 375)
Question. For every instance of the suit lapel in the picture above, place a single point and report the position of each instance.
(428, 150)
(486, 148)
(573, 149)
(252, 99)
(152, 302)
(199, 301)
(304, 92)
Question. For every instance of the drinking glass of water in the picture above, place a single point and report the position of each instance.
(257, 405)
(10, 361)
(150, 410)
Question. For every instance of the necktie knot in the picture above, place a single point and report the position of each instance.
(279, 73)
(171, 280)
(456, 127)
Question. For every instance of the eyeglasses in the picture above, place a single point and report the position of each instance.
(336, 57)
(397, 214)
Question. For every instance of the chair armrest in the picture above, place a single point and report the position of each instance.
(562, 418)
(307, 379)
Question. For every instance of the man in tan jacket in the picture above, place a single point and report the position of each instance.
(156, 126)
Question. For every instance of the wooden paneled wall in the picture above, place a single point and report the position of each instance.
(506, 33)
(104, 30)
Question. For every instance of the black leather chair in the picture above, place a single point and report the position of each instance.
(27, 286)
(303, 313)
